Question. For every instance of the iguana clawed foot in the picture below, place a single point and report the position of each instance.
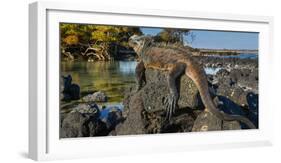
(171, 105)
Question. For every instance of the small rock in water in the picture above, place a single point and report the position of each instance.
(86, 109)
(95, 97)
(70, 91)
(111, 116)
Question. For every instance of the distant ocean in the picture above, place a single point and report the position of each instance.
(241, 56)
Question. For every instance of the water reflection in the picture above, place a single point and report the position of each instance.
(111, 77)
(127, 67)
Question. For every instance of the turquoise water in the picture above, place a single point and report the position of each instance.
(241, 56)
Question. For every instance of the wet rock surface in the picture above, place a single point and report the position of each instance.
(87, 120)
(95, 97)
(69, 90)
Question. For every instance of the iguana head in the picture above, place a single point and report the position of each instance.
(139, 42)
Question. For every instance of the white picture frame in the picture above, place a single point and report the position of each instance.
(44, 142)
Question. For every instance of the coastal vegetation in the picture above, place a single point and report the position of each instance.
(104, 43)
(96, 42)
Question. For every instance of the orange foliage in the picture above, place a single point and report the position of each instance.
(71, 40)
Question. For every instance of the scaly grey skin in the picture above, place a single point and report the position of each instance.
(176, 62)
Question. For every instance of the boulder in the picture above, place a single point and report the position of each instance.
(246, 78)
(181, 122)
(206, 121)
(141, 121)
(156, 91)
(73, 126)
(82, 121)
(84, 108)
(145, 111)
(111, 116)
(82, 125)
(134, 121)
(69, 90)
(236, 84)
(236, 94)
(253, 103)
(228, 106)
(95, 97)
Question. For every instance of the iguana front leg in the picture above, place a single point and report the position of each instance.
(140, 75)
(172, 101)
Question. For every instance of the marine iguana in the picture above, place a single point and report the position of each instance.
(176, 62)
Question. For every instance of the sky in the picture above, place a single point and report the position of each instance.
(217, 39)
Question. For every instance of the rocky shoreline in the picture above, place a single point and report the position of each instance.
(234, 88)
(227, 63)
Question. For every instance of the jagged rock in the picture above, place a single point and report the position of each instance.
(87, 119)
(228, 106)
(145, 111)
(73, 125)
(228, 62)
(236, 84)
(83, 121)
(206, 121)
(140, 121)
(91, 108)
(179, 123)
(76, 124)
(156, 91)
(246, 79)
(236, 94)
(95, 97)
(133, 123)
(111, 116)
(70, 91)
(253, 103)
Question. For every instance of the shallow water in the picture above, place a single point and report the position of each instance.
(211, 70)
(111, 77)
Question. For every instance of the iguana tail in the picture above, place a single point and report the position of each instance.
(200, 79)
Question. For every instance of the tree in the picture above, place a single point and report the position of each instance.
(94, 40)
(169, 35)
